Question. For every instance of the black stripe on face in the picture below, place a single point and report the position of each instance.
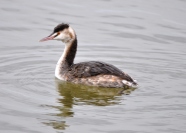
(57, 34)
(54, 33)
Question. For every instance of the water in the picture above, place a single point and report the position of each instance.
(144, 38)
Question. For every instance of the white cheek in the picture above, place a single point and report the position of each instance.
(60, 37)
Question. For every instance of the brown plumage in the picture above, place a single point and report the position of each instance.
(109, 81)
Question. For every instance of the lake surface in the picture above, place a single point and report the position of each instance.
(144, 38)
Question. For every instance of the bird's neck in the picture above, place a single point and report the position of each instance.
(66, 59)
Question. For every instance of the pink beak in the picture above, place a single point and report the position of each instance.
(46, 38)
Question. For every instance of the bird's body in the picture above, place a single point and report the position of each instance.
(92, 73)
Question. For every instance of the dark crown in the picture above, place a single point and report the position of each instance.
(60, 27)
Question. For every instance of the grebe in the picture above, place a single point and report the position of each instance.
(93, 73)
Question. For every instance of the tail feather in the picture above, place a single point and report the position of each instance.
(130, 84)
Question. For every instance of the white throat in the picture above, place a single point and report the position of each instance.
(60, 63)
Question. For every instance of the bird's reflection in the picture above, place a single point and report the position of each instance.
(74, 94)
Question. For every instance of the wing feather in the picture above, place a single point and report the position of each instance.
(93, 68)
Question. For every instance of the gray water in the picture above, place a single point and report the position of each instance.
(144, 38)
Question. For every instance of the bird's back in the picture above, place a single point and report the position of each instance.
(97, 74)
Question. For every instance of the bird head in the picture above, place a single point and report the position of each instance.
(62, 32)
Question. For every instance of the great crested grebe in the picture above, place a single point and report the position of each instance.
(93, 73)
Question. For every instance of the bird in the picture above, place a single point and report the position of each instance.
(91, 73)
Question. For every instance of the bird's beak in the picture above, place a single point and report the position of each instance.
(50, 37)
